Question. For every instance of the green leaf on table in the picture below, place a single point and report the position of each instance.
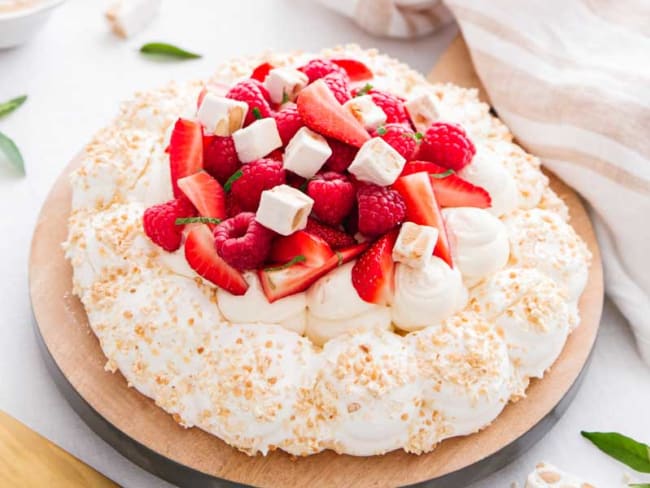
(10, 105)
(9, 152)
(167, 50)
(640, 485)
(634, 454)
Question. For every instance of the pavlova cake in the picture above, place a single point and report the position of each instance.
(312, 252)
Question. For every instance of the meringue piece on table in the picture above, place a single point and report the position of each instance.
(546, 475)
(129, 17)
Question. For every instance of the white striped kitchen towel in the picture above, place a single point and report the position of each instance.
(572, 81)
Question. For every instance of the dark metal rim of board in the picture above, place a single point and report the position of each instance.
(183, 476)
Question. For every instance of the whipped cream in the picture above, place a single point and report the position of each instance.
(427, 295)
(479, 241)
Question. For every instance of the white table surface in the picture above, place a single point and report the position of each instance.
(75, 72)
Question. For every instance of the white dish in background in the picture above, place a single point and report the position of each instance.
(20, 24)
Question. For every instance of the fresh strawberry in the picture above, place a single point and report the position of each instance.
(205, 193)
(220, 157)
(380, 209)
(321, 112)
(334, 237)
(447, 145)
(288, 121)
(422, 208)
(202, 257)
(185, 151)
(260, 72)
(400, 137)
(450, 189)
(159, 223)
(313, 250)
(392, 105)
(279, 282)
(243, 242)
(373, 274)
(338, 85)
(342, 156)
(356, 70)
(333, 196)
(255, 95)
(318, 68)
(256, 177)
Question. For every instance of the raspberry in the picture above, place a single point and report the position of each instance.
(159, 222)
(338, 84)
(255, 95)
(392, 106)
(232, 206)
(334, 237)
(220, 157)
(447, 145)
(243, 242)
(333, 196)
(318, 68)
(289, 121)
(400, 137)
(256, 177)
(342, 156)
(380, 209)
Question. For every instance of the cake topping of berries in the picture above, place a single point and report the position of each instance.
(336, 238)
(333, 196)
(185, 151)
(256, 177)
(243, 242)
(447, 145)
(338, 85)
(159, 223)
(392, 105)
(373, 273)
(220, 157)
(400, 137)
(355, 69)
(380, 209)
(288, 121)
(255, 95)
(342, 156)
(318, 68)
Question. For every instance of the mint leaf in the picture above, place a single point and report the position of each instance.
(235, 176)
(440, 176)
(167, 50)
(364, 90)
(418, 136)
(294, 260)
(381, 130)
(10, 153)
(197, 220)
(285, 98)
(634, 454)
(339, 256)
(640, 485)
(10, 105)
(257, 113)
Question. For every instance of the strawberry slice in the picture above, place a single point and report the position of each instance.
(185, 151)
(321, 112)
(205, 193)
(284, 281)
(422, 208)
(313, 249)
(261, 71)
(450, 190)
(203, 258)
(356, 70)
(373, 273)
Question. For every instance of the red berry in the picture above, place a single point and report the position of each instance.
(255, 95)
(220, 157)
(355, 69)
(318, 68)
(373, 273)
(260, 72)
(380, 209)
(334, 237)
(256, 177)
(342, 156)
(159, 222)
(288, 121)
(400, 137)
(185, 151)
(313, 249)
(338, 84)
(333, 196)
(447, 145)
(242, 241)
(205, 193)
(392, 105)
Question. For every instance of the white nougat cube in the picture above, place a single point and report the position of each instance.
(220, 115)
(423, 110)
(284, 84)
(377, 162)
(128, 17)
(257, 140)
(415, 244)
(306, 153)
(366, 111)
(284, 209)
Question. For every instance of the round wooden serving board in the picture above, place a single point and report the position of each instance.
(148, 436)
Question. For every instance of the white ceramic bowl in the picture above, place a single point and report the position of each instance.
(20, 25)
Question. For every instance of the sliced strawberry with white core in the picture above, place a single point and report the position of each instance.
(320, 111)
(185, 151)
(450, 189)
(203, 258)
(279, 282)
(373, 275)
(423, 209)
(261, 71)
(314, 250)
(356, 70)
(205, 193)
